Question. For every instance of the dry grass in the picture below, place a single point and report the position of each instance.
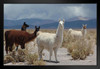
(81, 49)
(23, 56)
(41, 62)
(8, 59)
(16, 56)
(31, 58)
(78, 49)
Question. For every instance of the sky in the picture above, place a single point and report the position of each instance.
(49, 11)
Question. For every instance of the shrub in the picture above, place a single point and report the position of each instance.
(22, 55)
(81, 48)
(8, 59)
(41, 62)
(30, 58)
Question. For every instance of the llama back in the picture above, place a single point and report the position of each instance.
(45, 39)
(74, 33)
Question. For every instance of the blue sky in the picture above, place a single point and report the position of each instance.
(49, 11)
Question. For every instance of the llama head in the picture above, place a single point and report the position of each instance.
(61, 23)
(37, 28)
(26, 25)
(84, 26)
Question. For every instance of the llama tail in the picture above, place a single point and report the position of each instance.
(6, 35)
(6, 41)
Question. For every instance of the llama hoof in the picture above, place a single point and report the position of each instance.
(49, 60)
(57, 62)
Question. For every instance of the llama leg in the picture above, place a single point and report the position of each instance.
(55, 52)
(16, 45)
(50, 55)
(16, 48)
(7, 45)
(40, 49)
(6, 48)
(10, 48)
(23, 46)
(41, 52)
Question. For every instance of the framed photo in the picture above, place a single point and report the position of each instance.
(49, 34)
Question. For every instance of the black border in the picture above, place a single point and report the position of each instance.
(48, 2)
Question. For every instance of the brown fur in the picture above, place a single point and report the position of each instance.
(19, 38)
(84, 26)
(24, 26)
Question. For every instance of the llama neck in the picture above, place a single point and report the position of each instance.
(23, 28)
(59, 33)
(32, 36)
(83, 31)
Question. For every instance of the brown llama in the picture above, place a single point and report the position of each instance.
(19, 38)
(23, 28)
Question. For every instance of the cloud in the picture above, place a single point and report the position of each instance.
(74, 11)
(48, 11)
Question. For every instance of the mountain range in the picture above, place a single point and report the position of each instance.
(75, 22)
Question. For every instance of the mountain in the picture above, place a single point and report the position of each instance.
(79, 18)
(49, 24)
(78, 23)
(73, 24)
(28, 21)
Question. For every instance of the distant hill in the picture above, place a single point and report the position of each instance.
(79, 18)
(49, 24)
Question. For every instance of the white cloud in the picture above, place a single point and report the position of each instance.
(74, 11)
(48, 11)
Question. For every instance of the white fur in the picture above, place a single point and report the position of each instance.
(76, 34)
(50, 41)
(84, 32)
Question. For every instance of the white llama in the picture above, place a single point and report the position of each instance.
(50, 41)
(77, 34)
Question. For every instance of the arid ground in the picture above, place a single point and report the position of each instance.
(65, 53)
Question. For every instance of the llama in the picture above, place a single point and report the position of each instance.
(84, 31)
(77, 34)
(19, 38)
(23, 28)
(50, 41)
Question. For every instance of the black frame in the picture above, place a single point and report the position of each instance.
(48, 2)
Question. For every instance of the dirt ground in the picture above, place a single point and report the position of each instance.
(63, 57)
